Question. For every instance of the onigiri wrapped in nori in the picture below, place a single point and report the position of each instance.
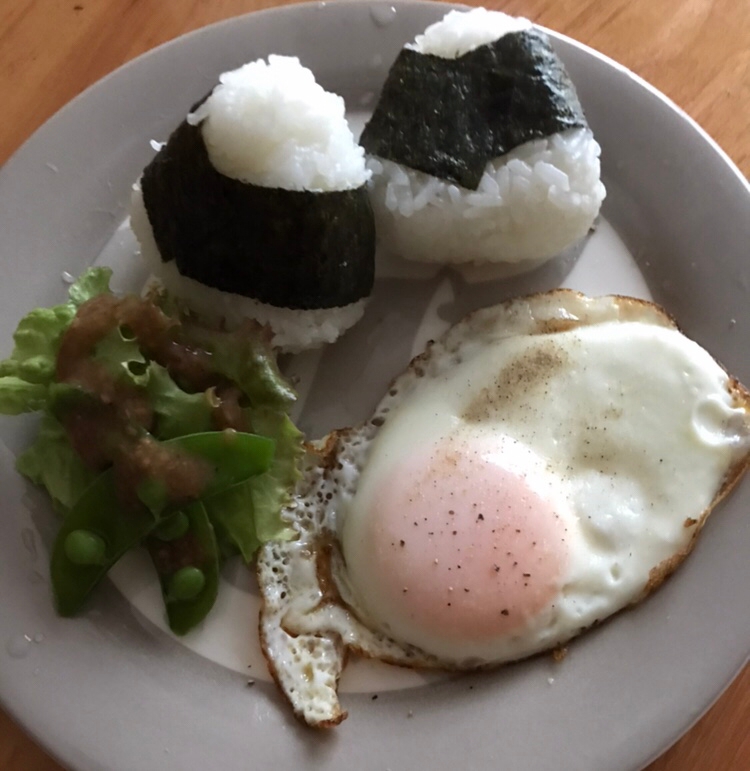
(256, 207)
(479, 147)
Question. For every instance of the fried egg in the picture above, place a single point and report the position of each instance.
(545, 464)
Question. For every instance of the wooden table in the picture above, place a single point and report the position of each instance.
(695, 51)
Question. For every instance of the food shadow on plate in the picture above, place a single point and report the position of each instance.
(341, 385)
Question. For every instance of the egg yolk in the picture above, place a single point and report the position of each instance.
(466, 542)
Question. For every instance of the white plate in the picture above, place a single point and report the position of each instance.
(111, 690)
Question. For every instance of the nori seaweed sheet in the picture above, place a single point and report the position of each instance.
(289, 248)
(449, 117)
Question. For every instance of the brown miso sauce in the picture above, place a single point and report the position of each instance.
(108, 425)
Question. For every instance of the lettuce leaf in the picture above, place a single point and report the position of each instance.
(18, 396)
(272, 490)
(250, 514)
(37, 339)
(51, 461)
(91, 283)
(177, 412)
(122, 357)
(246, 358)
(246, 515)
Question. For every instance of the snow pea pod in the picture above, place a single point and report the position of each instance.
(188, 569)
(99, 528)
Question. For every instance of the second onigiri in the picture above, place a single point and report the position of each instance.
(479, 147)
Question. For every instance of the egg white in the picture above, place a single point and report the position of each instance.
(635, 430)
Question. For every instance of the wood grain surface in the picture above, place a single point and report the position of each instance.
(695, 51)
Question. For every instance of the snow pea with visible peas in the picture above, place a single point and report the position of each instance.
(99, 528)
(186, 557)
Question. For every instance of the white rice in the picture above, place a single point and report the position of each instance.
(271, 124)
(459, 32)
(293, 330)
(531, 203)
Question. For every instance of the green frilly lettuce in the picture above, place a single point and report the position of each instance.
(26, 375)
(245, 516)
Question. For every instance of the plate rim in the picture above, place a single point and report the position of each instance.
(27, 148)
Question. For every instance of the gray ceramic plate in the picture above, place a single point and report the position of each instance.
(111, 690)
